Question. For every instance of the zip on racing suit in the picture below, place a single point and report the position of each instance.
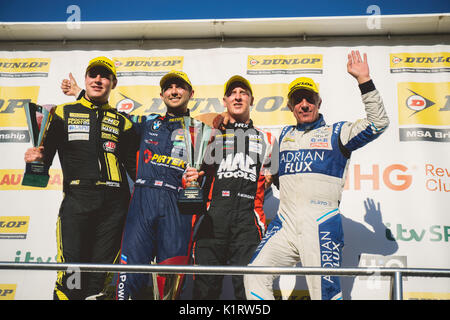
(93, 144)
(235, 222)
(313, 162)
(154, 225)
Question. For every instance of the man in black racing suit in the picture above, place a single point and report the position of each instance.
(234, 185)
(94, 142)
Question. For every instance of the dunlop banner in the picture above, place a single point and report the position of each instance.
(420, 62)
(14, 227)
(22, 68)
(269, 108)
(7, 291)
(12, 100)
(394, 206)
(147, 66)
(424, 111)
(285, 64)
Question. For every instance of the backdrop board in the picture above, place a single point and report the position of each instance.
(396, 200)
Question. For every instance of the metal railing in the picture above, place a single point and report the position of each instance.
(396, 274)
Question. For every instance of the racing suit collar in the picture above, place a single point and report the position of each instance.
(170, 115)
(320, 122)
(85, 102)
(239, 125)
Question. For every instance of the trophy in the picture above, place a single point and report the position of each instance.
(38, 120)
(196, 139)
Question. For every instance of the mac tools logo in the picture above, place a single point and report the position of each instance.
(237, 166)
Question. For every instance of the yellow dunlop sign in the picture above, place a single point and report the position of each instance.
(14, 227)
(7, 291)
(424, 111)
(420, 62)
(147, 66)
(424, 103)
(12, 100)
(28, 67)
(285, 64)
(11, 179)
(269, 107)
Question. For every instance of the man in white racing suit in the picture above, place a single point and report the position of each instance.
(313, 162)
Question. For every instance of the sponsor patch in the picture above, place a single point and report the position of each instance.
(78, 136)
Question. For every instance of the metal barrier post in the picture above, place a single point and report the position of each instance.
(398, 285)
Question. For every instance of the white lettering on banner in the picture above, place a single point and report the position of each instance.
(237, 166)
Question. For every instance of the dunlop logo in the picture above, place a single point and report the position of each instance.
(269, 107)
(420, 62)
(147, 66)
(21, 68)
(14, 227)
(7, 291)
(285, 64)
(424, 111)
(12, 101)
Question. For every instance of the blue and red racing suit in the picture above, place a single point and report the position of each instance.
(154, 226)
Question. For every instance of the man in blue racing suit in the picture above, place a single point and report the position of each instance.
(154, 227)
(313, 162)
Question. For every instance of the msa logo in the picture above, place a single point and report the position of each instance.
(14, 227)
(237, 166)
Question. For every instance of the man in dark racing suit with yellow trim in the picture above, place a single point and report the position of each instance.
(94, 142)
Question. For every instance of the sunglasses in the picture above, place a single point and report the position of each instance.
(103, 72)
(299, 95)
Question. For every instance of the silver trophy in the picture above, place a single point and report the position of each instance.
(38, 120)
(196, 138)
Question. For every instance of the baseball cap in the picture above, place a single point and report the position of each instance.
(175, 74)
(237, 78)
(104, 62)
(302, 83)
